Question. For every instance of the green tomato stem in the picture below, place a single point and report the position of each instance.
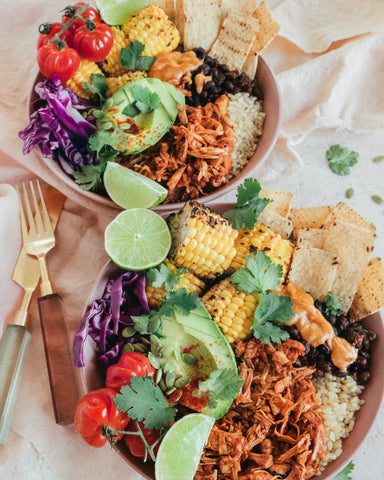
(76, 16)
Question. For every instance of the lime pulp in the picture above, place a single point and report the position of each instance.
(116, 12)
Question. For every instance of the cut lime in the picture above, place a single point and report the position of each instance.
(137, 239)
(116, 12)
(181, 448)
(129, 189)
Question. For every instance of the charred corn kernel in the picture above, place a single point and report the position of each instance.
(115, 83)
(111, 64)
(188, 280)
(83, 74)
(232, 310)
(262, 238)
(196, 225)
(154, 29)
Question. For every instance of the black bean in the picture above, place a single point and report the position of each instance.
(324, 366)
(361, 361)
(331, 319)
(319, 305)
(371, 335)
(343, 323)
(325, 349)
(231, 76)
(209, 85)
(362, 377)
(340, 373)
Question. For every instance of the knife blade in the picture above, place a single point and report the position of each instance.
(15, 340)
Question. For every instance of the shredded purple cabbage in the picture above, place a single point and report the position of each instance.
(123, 297)
(59, 127)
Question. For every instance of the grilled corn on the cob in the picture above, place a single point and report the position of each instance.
(115, 83)
(83, 74)
(202, 240)
(262, 238)
(154, 29)
(232, 310)
(188, 280)
(111, 64)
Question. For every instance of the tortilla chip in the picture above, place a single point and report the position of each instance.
(267, 32)
(369, 297)
(235, 39)
(313, 270)
(167, 5)
(281, 203)
(198, 22)
(309, 217)
(353, 246)
(245, 6)
(344, 212)
(311, 237)
(276, 222)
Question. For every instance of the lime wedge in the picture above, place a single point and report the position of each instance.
(181, 448)
(116, 12)
(137, 239)
(129, 189)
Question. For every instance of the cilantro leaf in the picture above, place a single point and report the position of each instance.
(100, 142)
(221, 385)
(164, 276)
(180, 299)
(90, 177)
(332, 305)
(248, 206)
(145, 101)
(131, 59)
(131, 110)
(97, 86)
(144, 401)
(340, 159)
(258, 275)
(344, 474)
(269, 333)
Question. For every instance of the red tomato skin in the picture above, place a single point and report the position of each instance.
(63, 62)
(90, 13)
(134, 442)
(94, 411)
(93, 45)
(131, 364)
(43, 39)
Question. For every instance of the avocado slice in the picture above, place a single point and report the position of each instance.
(197, 334)
(129, 135)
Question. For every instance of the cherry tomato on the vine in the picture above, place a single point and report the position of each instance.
(64, 62)
(131, 364)
(135, 443)
(90, 13)
(49, 30)
(93, 42)
(96, 411)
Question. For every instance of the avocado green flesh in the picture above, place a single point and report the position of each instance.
(198, 334)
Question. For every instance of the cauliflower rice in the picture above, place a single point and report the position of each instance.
(339, 398)
(247, 116)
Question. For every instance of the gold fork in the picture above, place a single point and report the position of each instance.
(39, 239)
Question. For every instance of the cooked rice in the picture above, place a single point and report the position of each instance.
(247, 116)
(339, 398)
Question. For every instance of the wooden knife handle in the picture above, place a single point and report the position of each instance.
(59, 359)
(13, 347)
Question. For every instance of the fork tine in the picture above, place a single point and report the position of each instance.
(23, 222)
(47, 220)
(32, 228)
(38, 219)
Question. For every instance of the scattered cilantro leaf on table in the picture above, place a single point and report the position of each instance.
(248, 206)
(144, 401)
(258, 275)
(96, 86)
(131, 58)
(340, 159)
(163, 276)
(182, 300)
(221, 385)
(332, 305)
(344, 474)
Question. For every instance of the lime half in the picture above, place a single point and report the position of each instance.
(116, 12)
(137, 239)
(129, 189)
(181, 448)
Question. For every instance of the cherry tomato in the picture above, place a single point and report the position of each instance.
(131, 364)
(63, 62)
(93, 43)
(49, 30)
(135, 443)
(95, 411)
(90, 13)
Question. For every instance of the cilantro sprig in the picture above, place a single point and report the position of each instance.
(131, 58)
(144, 401)
(221, 385)
(163, 276)
(341, 159)
(96, 86)
(344, 474)
(145, 101)
(332, 305)
(248, 205)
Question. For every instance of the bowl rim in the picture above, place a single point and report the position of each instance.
(56, 169)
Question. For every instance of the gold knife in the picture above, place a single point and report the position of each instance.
(16, 338)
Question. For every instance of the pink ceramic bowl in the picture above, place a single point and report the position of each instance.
(365, 418)
(269, 88)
